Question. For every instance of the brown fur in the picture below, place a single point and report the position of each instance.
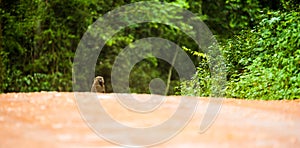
(98, 85)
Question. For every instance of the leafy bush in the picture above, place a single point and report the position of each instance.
(263, 63)
(275, 71)
(200, 84)
(37, 82)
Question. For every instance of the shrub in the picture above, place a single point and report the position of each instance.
(263, 63)
(275, 71)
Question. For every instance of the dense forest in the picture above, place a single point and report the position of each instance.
(260, 41)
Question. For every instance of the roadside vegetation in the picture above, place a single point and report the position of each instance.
(260, 41)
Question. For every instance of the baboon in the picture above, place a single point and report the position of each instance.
(98, 85)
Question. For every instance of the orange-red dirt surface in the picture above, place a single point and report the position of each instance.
(52, 119)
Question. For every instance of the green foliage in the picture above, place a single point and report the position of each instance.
(259, 40)
(274, 70)
(262, 62)
(149, 68)
(228, 17)
(37, 82)
(39, 39)
(38, 43)
(200, 84)
(33, 42)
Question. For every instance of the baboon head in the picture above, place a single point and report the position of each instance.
(98, 85)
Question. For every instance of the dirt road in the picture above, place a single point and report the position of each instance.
(51, 119)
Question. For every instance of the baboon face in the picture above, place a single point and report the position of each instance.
(100, 80)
